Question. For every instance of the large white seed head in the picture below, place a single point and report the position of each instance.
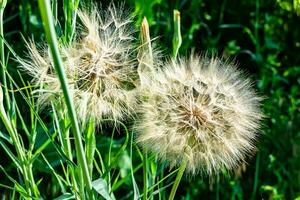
(201, 111)
(99, 66)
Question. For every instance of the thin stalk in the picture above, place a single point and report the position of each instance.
(14, 136)
(256, 176)
(90, 145)
(153, 170)
(70, 156)
(62, 122)
(218, 188)
(81, 183)
(64, 135)
(177, 180)
(145, 167)
(161, 185)
(54, 10)
(31, 178)
(70, 7)
(68, 150)
(257, 45)
(109, 159)
(2, 55)
(45, 10)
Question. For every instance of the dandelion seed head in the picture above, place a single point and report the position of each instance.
(39, 65)
(105, 65)
(200, 110)
(99, 66)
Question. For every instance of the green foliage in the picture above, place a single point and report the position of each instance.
(262, 36)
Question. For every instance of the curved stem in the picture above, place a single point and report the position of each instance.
(177, 180)
(2, 56)
(45, 10)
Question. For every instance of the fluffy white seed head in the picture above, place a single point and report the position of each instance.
(98, 64)
(202, 111)
(40, 66)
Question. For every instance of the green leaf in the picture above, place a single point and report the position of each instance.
(100, 185)
(65, 196)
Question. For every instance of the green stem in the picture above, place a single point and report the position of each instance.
(257, 45)
(45, 10)
(90, 144)
(145, 167)
(177, 180)
(153, 170)
(62, 122)
(161, 185)
(70, 7)
(54, 11)
(64, 135)
(32, 181)
(20, 153)
(68, 149)
(2, 55)
(218, 188)
(109, 159)
(256, 176)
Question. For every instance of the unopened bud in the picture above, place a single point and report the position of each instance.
(177, 40)
(145, 37)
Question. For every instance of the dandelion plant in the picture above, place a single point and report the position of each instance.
(201, 114)
(128, 117)
(99, 67)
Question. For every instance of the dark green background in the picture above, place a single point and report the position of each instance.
(263, 36)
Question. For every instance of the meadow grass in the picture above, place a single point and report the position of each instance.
(49, 154)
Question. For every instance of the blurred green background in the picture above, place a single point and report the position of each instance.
(263, 36)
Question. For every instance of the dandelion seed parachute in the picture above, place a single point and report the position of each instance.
(99, 66)
(201, 111)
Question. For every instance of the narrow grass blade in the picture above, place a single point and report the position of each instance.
(135, 186)
(10, 154)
